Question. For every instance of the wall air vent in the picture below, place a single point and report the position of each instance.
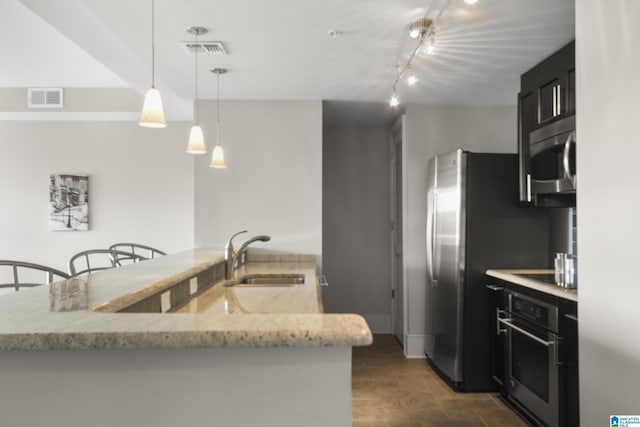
(210, 48)
(45, 97)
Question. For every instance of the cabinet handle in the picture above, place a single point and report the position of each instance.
(528, 187)
(558, 99)
(323, 281)
(499, 316)
(495, 288)
(554, 103)
(571, 317)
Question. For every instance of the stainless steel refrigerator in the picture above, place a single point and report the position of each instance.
(474, 222)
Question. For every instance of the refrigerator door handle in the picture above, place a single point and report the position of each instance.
(429, 240)
(433, 238)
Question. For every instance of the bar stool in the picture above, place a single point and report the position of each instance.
(29, 269)
(93, 260)
(139, 252)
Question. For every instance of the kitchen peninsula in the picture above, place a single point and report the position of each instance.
(165, 342)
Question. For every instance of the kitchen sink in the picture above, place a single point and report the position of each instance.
(267, 280)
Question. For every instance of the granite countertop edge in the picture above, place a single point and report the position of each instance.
(356, 333)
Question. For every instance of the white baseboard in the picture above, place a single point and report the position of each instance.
(378, 323)
(414, 346)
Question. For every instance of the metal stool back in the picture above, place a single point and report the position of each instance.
(29, 268)
(93, 260)
(138, 252)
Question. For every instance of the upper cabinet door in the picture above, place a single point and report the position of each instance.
(549, 101)
(547, 94)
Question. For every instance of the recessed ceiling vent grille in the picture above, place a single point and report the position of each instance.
(210, 48)
(44, 97)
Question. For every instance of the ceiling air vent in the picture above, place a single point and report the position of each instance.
(44, 97)
(211, 48)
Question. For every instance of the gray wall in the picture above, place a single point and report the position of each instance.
(140, 186)
(143, 186)
(355, 223)
(429, 131)
(608, 90)
(273, 182)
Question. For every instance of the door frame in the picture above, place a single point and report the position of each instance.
(399, 303)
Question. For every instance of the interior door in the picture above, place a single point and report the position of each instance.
(397, 276)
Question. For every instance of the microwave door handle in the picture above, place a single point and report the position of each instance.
(565, 158)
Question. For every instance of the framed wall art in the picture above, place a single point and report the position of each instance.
(69, 202)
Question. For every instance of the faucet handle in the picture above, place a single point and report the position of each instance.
(229, 243)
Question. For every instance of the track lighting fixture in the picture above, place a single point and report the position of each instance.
(430, 49)
(419, 28)
(423, 30)
(394, 101)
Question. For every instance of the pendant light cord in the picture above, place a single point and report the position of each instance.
(153, 44)
(218, 110)
(196, 103)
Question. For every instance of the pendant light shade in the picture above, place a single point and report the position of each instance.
(196, 143)
(217, 157)
(152, 115)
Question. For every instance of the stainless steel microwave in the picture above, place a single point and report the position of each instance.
(552, 154)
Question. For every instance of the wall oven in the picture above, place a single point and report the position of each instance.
(531, 356)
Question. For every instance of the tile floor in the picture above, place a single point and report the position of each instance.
(390, 390)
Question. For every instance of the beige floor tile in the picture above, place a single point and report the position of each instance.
(392, 391)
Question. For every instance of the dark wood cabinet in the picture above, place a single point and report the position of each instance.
(547, 95)
(570, 410)
(496, 338)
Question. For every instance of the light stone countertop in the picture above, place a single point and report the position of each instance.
(513, 277)
(240, 299)
(62, 316)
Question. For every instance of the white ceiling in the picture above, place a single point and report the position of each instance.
(280, 49)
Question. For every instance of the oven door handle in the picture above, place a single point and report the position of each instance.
(508, 323)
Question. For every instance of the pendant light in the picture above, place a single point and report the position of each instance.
(196, 138)
(152, 115)
(217, 157)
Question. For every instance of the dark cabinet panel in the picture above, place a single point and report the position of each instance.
(547, 95)
(527, 111)
(496, 337)
(549, 101)
(570, 414)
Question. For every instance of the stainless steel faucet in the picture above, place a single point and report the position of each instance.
(231, 259)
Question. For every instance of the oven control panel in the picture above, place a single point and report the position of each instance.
(534, 311)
